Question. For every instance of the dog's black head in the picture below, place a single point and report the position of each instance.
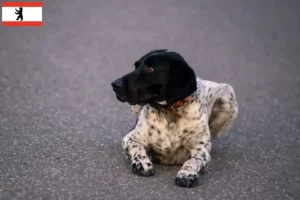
(160, 75)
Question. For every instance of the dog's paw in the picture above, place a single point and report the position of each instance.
(143, 168)
(187, 179)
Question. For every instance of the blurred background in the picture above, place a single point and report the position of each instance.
(61, 126)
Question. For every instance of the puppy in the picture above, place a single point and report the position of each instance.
(177, 115)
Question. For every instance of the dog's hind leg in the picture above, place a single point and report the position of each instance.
(224, 111)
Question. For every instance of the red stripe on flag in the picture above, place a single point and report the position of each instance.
(18, 23)
(21, 4)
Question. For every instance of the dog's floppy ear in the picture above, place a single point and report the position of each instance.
(182, 79)
(139, 62)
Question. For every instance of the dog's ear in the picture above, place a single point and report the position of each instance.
(182, 79)
(139, 61)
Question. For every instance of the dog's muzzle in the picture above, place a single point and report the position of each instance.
(119, 89)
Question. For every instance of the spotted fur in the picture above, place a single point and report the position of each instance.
(160, 137)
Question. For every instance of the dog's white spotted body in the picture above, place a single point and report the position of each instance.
(185, 140)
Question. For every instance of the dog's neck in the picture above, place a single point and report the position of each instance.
(173, 108)
(162, 102)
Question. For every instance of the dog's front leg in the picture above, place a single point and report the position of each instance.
(141, 164)
(200, 158)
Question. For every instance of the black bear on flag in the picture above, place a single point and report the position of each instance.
(19, 13)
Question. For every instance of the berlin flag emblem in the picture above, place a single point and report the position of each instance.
(22, 14)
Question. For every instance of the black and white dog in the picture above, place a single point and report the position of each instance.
(178, 114)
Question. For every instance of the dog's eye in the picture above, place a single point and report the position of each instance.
(150, 69)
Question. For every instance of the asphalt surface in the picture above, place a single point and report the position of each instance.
(61, 126)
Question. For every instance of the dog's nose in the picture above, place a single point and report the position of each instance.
(117, 85)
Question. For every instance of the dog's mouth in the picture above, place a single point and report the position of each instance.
(123, 100)
(120, 98)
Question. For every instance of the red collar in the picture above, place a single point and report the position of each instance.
(177, 104)
(180, 102)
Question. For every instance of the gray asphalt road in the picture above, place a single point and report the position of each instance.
(61, 126)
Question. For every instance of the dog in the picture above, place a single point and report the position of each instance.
(178, 114)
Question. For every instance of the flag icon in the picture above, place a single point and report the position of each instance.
(22, 14)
